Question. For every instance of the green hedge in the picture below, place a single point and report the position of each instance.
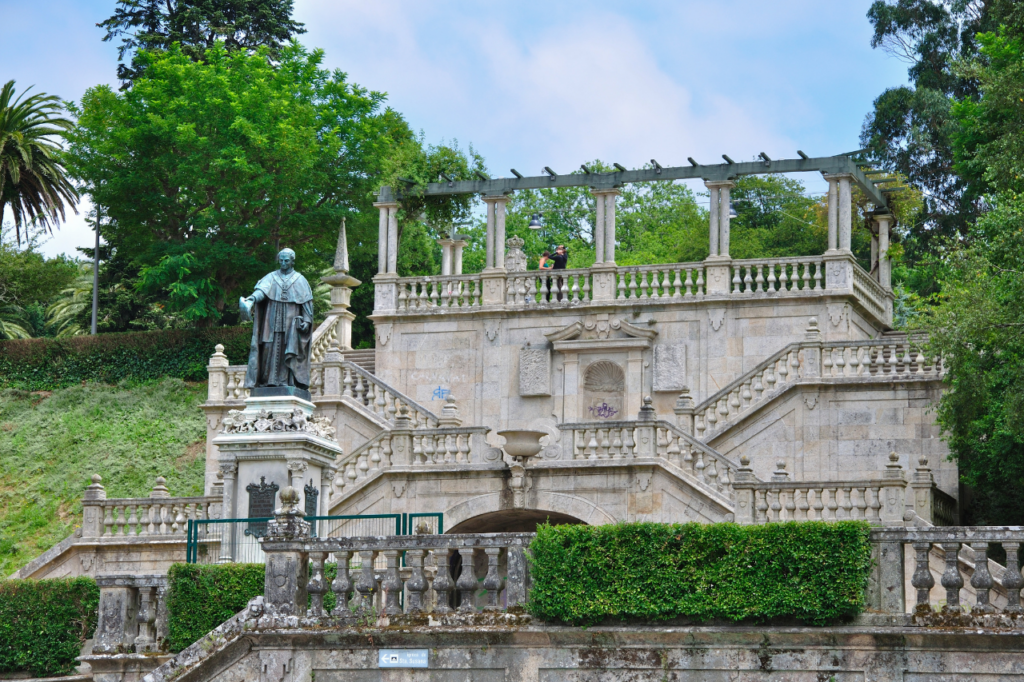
(44, 623)
(811, 571)
(201, 597)
(48, 364)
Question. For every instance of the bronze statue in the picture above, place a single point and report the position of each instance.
(281, 309)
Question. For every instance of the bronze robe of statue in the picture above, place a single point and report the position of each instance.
(279, 353)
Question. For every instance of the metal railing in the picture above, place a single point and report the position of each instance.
(212, 541)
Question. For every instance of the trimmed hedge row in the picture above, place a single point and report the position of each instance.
(810, 571)
(44, 623)
(47, 364)
(200, 597)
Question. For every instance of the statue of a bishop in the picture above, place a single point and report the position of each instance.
(281, 310)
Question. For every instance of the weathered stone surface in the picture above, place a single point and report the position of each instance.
(670, 367)
(534, 372)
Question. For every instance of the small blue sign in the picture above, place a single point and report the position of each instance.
(403, 658)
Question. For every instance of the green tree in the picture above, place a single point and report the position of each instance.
(33, 181)
(195, 25)
(206, 168)
(978, 328)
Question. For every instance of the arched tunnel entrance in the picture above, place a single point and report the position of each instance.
(512, 521)
(505, 521)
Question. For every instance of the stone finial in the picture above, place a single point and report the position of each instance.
(289, 503)
(780, 473)
(893, 470)
(744, 473)
(450, 413)
(95, 491)
(812, 333)
(684, 402)
(923, 473)
(219, 359)
(160, 490)
(341, 253)
(403, 421)
(647, 412)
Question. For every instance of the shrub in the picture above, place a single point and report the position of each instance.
(201, 597)
(43, 624)
(811, 571)
(47, 364)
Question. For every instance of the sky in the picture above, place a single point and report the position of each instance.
(556, 83)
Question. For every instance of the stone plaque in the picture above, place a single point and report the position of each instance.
(534, 372)
(261, 505)
(670, 367)
(311, 497)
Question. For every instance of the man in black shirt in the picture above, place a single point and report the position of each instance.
(560, 258)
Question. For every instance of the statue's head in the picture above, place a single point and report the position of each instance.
(286, 259)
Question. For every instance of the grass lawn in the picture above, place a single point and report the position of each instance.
(52, 442)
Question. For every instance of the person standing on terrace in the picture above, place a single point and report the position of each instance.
(560, 259)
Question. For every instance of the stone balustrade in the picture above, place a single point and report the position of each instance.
(886, 591)
(441, 292)
(628, 440)
(406, 446)
(778, 275)
(156, 515)
(539, 288)
(895, 357)
(651, 282)
(132, 614)
(380, 398)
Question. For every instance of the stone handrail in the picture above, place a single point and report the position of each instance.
(886, 590)
(438, 292)
(380, 398)
(671, 281)
(132, 614)
(289, 549)
(890, 358)
(627, 440)
(870, 293)
(403, 446)
(323, 335)
(778, 275)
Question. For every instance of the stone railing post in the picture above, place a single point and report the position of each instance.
(811, 365)
(892, 489)
(684, 412)
(401, 438)
(886, 590)
(646, 430)
(921, 484)
(718, 261)
(92, 508)
(743, 483)
(117, 625)
(333, 370)
(217, 369)
(287, 562)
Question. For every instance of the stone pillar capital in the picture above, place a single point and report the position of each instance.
(386, 204)
(728, 184)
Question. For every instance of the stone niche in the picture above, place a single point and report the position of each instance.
(603, 361)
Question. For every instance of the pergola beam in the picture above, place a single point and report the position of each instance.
(599, 181)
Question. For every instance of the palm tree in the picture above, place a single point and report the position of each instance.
(64, 313)
(32, 180)
(12, 322)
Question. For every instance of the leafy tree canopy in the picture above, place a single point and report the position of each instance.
(206, 168)
(195, 25)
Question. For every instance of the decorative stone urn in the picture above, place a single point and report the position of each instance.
(520, 445)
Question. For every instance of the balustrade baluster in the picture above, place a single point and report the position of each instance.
(818, 505)
(832, 503)
(783, 277)
(790, 504)
(492, 581)
(922, 578)
(391, 585)
(423, 300)
(698, 468)
(366, 585)
(586, 288)
(771, 280)
(363, 466)
(858, 506)
(643, 284)
(794, 364)
(132, 521)
(687, 458)
(428, 448)
(892, 359)
(672, 451)
(775, 506)
(575, 288)
(476, 292)
(981, 581)
(1012, 580)
(761, 505)
(591, 444)
(465, 445)
(759, 279)
(446, 296)
(416, 585)
(628, 444)
(737, 283)
(688, 283)
(770, 376)
(841, 361)
(700, 281)
(316, 586)
(530, 292)
(711, 473)
(801, 504)
(699, 426)
(616, 449)
(875, 506)
(951, 578)
(826, 361)
(375, 455)
(677, 284)
(817, 275)
(466, 583)
(565, 291)
(748, 281)
(442, 583)
(341, 586)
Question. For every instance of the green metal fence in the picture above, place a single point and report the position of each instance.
(212, 541)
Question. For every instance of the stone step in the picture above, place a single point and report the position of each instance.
(364, 357)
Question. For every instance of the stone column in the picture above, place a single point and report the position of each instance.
(446, 256)
(489, 207)
(713, 218)
(116, 626)
(609, 225)
(382, 235)
(499, 230)
(326, 480)
(287, 565)
(884, 264)
(229, 471)
(92, 508)
(845, 215)
(457, 247)
(599, 238)
(833, 211)
(393, 239)
(296, 473)
(724, 218)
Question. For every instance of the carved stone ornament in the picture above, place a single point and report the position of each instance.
(491, 330)
(600, 327)
(238, 421)
(520, 483)
(383, 334)
(312, 496)
(398, 488)
(837, 313)
(515, 257)
(716, 317)
(811, 400)
(261, 505)
(534, 372)
(643, 480)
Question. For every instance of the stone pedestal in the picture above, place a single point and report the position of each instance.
(274, 443)
(604, 281)
(718, 278)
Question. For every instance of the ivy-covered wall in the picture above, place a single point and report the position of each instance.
(44, 623)
(811, 571)
(48, 364)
